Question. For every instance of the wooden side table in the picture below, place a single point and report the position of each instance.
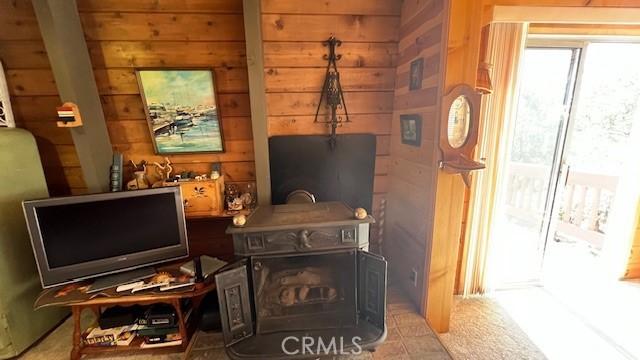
(186, 328)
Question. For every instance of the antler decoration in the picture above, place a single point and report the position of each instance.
(164, 170)
(332, 91)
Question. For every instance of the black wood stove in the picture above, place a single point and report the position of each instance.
(305, 285)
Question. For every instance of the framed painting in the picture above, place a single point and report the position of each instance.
(411, 129)
(415, 74)
(182, 110)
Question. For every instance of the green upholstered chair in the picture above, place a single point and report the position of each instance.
(21, 178)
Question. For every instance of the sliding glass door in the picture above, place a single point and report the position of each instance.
(598, 156)
(525, 202)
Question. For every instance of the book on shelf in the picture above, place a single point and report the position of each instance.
(122, 335)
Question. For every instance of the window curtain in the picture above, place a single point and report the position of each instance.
(505, 46)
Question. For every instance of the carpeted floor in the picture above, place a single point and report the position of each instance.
(481, 329)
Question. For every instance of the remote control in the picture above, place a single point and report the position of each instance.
(175, 286)
(148, 286)
(130, 286)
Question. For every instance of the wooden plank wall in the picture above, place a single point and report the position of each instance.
(34, 96)
(413, 169)
(294, 68)
(126, 34)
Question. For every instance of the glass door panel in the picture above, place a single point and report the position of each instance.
(546, 89)
(598, 150)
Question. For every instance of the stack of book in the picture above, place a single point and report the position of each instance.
(117, 336)
(151, 336)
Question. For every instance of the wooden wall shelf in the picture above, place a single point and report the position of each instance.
(461, 164)
(224, 215)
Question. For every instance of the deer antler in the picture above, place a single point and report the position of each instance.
(164, 170)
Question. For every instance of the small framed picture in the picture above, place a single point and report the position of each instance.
(411, 129)
(415, 74)
(182, 110)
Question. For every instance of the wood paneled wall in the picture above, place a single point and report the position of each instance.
(34, 96)
(413, 169)
(123, 35)
(294, 68)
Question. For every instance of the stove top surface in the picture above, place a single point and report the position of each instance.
(296, 215)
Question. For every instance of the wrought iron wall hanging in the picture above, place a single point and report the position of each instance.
(332, 92)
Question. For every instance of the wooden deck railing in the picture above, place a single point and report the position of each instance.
(585, 201)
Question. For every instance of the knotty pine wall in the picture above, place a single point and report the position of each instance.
(126, 34)
(34, 96)
(413, 169)
(294, 68)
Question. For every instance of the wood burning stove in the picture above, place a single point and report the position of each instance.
(304, 272)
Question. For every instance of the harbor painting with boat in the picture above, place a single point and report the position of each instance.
(181, 109)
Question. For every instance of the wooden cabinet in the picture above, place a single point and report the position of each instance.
(202, 198)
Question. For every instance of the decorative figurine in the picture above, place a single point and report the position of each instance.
(164, 171)
(232, 197)
(360, 213)
(235, 204)
(140, 176)
(246, 199)
(239, 220)
(249, 196)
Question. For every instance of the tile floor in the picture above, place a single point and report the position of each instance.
(408, 338)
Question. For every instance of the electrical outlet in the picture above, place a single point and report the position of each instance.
(414, 277)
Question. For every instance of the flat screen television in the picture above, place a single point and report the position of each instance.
(80, 237)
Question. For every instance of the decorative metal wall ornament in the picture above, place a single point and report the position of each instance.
(332, 92)
(6, 116)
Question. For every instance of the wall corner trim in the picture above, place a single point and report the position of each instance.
(63, 36)
(257, 98)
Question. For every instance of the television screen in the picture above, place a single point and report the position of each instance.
(85, 236)
(108, 228)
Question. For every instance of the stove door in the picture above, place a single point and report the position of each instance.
(235, 304)
(372, 288)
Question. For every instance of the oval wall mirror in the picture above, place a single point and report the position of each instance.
(459, 122)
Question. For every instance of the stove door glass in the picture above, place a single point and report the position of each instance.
(300, 292)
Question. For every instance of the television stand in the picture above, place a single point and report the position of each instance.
(186, 324)
(109, 281)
